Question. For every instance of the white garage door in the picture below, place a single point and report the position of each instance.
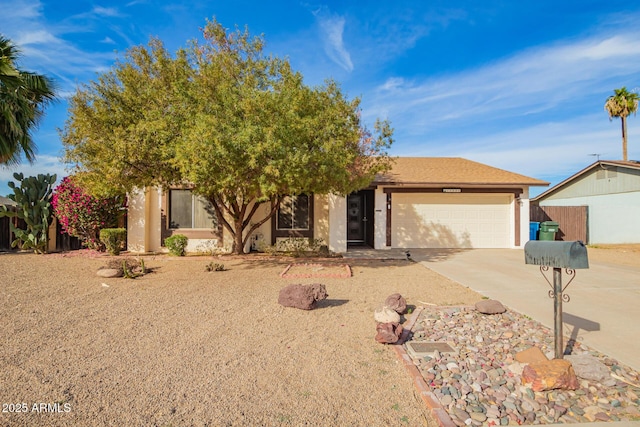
(426, 220)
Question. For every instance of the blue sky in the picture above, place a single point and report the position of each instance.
(518, 85)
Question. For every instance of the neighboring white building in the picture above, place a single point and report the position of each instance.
(611, 191)
(423, 202)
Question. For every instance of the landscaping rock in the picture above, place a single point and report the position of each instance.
(388, 333)
(304, 297)
(490, 306)
(588, 367)
(396, 302)
(550, 375)
(385, 314)
(531, 355)
(109, 272)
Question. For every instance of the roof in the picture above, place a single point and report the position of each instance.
(434, 171)
(629, 164)
(7, 202)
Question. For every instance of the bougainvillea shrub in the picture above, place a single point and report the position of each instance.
(83, 215)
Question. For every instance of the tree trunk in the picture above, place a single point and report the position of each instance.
(238, 247)
(624, 137)
(240, 223)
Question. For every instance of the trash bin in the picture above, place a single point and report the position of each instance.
(533, 230)
(548, 230)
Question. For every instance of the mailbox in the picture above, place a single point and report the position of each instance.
(559, 255)
(570, 255)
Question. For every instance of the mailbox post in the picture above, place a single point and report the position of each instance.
(558, 255)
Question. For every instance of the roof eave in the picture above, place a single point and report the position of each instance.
(465, 184)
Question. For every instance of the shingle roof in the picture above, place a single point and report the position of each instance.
(7, 201)
(450, 171)
(630, 164)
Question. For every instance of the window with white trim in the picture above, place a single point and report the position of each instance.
(294, 213)
(186, 210)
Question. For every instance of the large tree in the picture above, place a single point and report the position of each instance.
(23, 97)
(621, 104)
(241, 127)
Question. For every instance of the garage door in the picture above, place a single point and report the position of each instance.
(425, 220)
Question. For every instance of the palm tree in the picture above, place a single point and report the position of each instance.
(23, 96)
(621, 104)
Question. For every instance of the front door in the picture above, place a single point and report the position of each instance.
(360, 218)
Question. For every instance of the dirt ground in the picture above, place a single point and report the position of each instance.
(181, 346)
(615, 254)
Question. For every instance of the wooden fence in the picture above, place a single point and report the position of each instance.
(5, 234)
(572, 220)
(64, 242)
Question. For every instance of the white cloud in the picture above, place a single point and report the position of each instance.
(392, 83)
(544, 80)
(44, 164)
(106, 11)
(47, 48)
(20, 9)
(26, 38)
(332, 27)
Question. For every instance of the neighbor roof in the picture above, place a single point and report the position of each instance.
(7, 202)
(450, 171)
(630, 164)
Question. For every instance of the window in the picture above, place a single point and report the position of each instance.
(187, 210)
(294, 213)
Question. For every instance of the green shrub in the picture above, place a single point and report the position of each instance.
(176, 244)
(299, 246)
(113, 239)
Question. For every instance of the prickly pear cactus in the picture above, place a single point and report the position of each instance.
(34, 207)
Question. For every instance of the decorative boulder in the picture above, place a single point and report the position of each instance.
(549, 375)
(396, 302)
(531, 355)
(388, 333)
(303, 297)
(589, 368)
(385, 314)
(109, 272)
(490, 306)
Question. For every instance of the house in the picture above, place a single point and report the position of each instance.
(611, 192)
(423, 202)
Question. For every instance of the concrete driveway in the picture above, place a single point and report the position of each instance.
(604, 310)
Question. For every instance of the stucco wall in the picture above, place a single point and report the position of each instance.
(337, 223)
(613, 218)
(321, 217)
(153, 220)
(380, 220)
(136, 221)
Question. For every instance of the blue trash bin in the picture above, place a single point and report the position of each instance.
(534, 227)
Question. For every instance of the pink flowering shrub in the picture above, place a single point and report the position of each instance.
(82, 215)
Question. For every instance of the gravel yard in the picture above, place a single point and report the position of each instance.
(181, 346)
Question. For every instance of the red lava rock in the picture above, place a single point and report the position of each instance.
(303, 297)
(388, 333)
(549, 375)
(396, 302)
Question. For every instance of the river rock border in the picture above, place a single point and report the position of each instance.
(481, 384)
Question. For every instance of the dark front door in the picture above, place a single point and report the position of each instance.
(360, 218)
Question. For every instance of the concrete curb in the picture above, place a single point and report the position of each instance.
(428, 397)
